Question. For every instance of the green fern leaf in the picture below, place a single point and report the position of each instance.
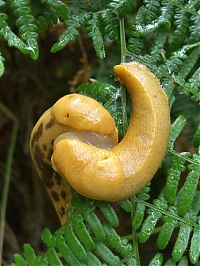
(47, 20)
(71, 33)
(53, 258)
(150, 222)
(176, 129)
(188, 64)
(182, 26)
(7, 34)
(27, 26)
(195, 247)
(111, 24)
(173, 177)
(58, 7)
(122, 6)
(195, 28)
(95, 34)
(156, 260)
(167, 229)
(135, 45)
(146, 19)
(189, 188)
(196, 138)
(170, 262)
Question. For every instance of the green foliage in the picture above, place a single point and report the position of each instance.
(84, 240)
(165, 36)
(26, 24)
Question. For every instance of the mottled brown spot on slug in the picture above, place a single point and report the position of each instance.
(50, 123)
(48, 182)
(58, 179)
(50, 152)
(63, 194)
(55, 195)
(62, 211)
(47, 176)
(44, 146)
(39, 156)
(37, 134)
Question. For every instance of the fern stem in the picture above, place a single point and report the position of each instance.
(167, 213)
(183, 157)
(123, 59)
(122, 40)
(7, 112)
(134, 238)
(183, 7)
(6, 185)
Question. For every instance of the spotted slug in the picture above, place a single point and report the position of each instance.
(74, 145)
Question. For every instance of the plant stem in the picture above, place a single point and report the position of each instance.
(123, 59)
(181, 156)
(169, 214)
(122, 40)
(7, 112)
(7, 175)
(134, 238)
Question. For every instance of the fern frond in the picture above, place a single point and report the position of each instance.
(71, 33)
(195, 28)
(173, 177)
(153, 217)
(147, 19)
(45, 21)
(189, 188)
(7, 34)
(181, 22)
(111, 24)
(140, 208)
(27, 27)
(94, 32)
(90, 6)
(158, 46)
(135, 45)
(176, 129)
(196, 138)
(153, 8)
(189, 63)
(58, 7)
(122, 6)
(84, 240)
(184, 232)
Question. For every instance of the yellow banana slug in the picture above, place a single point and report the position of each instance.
(78, 137)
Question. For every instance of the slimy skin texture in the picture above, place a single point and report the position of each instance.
(95, 172)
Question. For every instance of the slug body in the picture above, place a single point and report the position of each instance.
(75, 123)
(110, 171)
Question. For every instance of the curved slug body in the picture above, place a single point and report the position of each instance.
(59, 123)
(142, 149)
(106, 170)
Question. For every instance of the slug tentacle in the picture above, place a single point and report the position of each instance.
(78, 137)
